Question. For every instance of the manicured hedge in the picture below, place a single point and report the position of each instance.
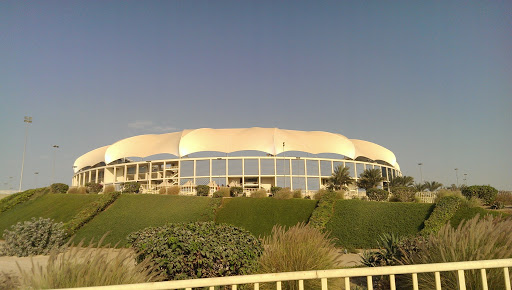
(259, 215)
(444, 210)
(9, 202)
(324, 210)
(467, 213)
(358, 223)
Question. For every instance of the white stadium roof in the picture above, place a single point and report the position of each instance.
(268, 140)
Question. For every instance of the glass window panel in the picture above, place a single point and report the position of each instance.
(384, 172)
(202, 181)
(251, 166)
(283, 163)
(312, 166)
(267, 167)
(203, 168)
(235, 166)
(350, 166)
(282, 181)
(221, 181)
(299, 183)
(325, 168)
(185, 180)
(359, 168)
(337, 163)
(313, 183)
(298, 167)
(218, 167)
(187, 168)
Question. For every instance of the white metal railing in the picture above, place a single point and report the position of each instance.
(426, 197)
(346, 274)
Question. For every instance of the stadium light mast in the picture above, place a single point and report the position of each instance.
(53, 170)
(284, 170)
(457, 176)
(421, 173)
(27, 120)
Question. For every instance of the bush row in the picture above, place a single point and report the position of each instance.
(12, 200)
(445, 209)
(484, 192)
(324, 210)
(90, 211)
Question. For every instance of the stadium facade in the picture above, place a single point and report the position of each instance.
(250, 158)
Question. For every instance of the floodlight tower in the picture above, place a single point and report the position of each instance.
(53, 171)
(27, 120)
(421, 173)
(457, 176)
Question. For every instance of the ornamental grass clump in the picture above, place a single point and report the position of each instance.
(284, 193)
(33, 237)
(477, 239)
(198, 250)
(300, 248)
(260, 193)
(80, 266)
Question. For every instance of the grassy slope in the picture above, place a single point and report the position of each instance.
(60, 207)
(357, 223)
(134, 212)
(259, 215)
(466, 213)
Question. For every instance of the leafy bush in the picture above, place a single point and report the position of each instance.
(389, 253)
(73, 190)
(260, 193)
(103, 267)
(198, 250)
(505, 197)
(444, 210)
(131, 187)
(324, 211)
(222, 192)
(14, 199)
(275, 189)
(318, 195)
(93, 187)
(284, 193)
(403, 194)
(82, 190)
(90, 211)
(34, 237)
(356, 223)
(162, 190)
(300, 248)
(109, 188)
(297, 193)
(235, 191)
(486, 239)
(59, 188)
(173, 190)
(377, 194)
(484, 192)
(203, 190)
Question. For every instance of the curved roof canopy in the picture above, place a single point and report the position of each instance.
(268, 140)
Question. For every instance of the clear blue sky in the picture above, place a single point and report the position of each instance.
(430, 80)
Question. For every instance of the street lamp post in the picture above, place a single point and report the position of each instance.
(36, 174)
(465, 178)
(457, 176)
(27, 120)
(284, 170)
(53, 171)
(421, 173)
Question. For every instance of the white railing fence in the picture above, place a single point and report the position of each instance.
(345, 274)
(426, 196)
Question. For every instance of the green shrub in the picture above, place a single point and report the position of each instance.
(109, 189)
(162, 190)
(34, 237)
(103, 267)
(59, 188)
(198, 250)
(466, 212)
(93, 187)
(484, 192)
(131, 187)
(497, 205)
(90, 211)
(202, 190)
(403, 194)
(324, 210)
(356, 223)
(444, 210)
(284, 193)
(377, 194)
(389, 252)
(73, 190)
(318, 195)
(173, 190)
(300, 248)
(297, 193)
(235, 191)
(14, 199)
(260, 193)
(222, 192)
(82, 190)
(275, 189)
(486, 239)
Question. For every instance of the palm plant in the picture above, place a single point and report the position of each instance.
(402, 181)
(420, 186)
(433, 185)
(370, 178)
(340, 178)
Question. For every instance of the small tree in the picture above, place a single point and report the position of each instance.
(131, 187)
(433, 186)
(377, 194)
(59, 188)
(370, 178)
(93, 187)
(203, 190)
(340, 179)
(402, 181)
(235, 191)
